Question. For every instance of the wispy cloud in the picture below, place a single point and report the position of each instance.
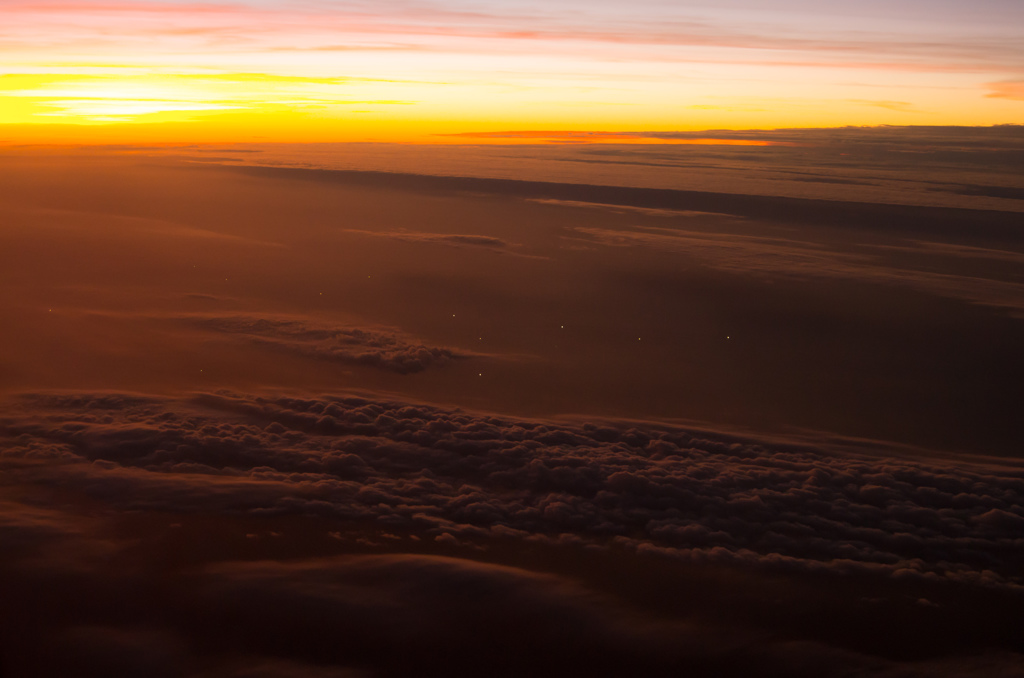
(508, 62)
(1011, 89)
(900, 106)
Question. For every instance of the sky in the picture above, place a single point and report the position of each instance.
(161, 70)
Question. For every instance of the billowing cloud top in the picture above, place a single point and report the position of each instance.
(391, 520)
(457, 476)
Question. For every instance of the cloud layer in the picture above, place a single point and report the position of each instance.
(779, 257)
(406, 494)
(460, 477)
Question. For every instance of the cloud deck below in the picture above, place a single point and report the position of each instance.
(231, 532)
(282, 422)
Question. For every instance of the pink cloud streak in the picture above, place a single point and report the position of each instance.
(274, 28)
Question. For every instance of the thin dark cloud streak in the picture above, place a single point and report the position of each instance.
(454, 239)
(457, 240)
(379, 348)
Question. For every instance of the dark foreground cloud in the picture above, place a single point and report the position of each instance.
(240, 535)
(453, 475)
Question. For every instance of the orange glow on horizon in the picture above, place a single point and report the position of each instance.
(576, 137)
(163, 71)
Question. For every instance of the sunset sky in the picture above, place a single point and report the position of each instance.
(351, 70)
(505, 338)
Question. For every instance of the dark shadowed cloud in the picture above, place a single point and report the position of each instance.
(775, 256)
(438, 473)
(901, 165)
(371, 347)
(418, 503)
